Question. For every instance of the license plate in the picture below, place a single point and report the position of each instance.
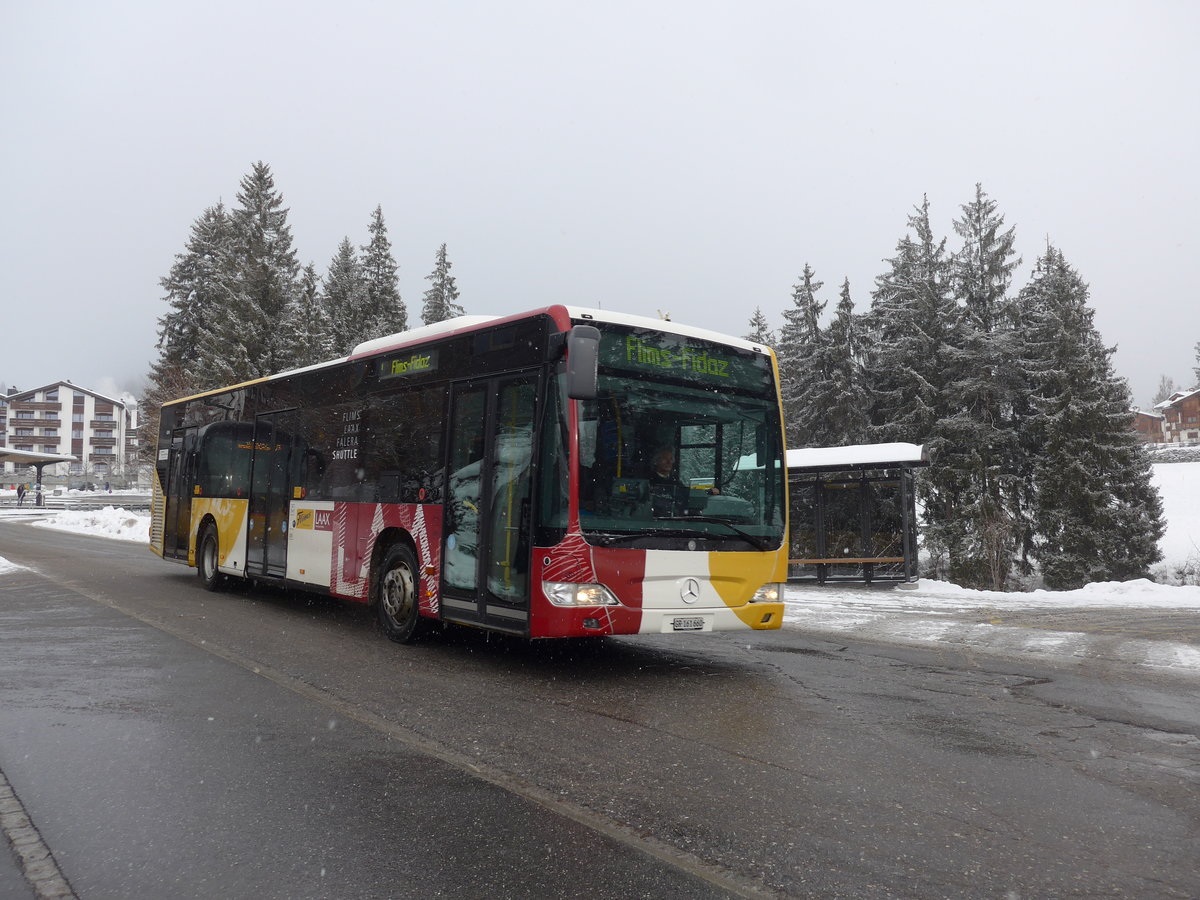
(687, 623)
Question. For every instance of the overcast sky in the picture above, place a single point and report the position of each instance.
(683, 156)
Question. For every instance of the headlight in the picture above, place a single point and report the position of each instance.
(768, 593)
(565, 593)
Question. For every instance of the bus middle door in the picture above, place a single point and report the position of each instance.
(270, 494)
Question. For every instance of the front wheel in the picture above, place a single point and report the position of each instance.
(206, 560)
(398, 594)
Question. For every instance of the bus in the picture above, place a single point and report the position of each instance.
(564, 472)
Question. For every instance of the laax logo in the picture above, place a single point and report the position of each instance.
(324, 520)
(689, 591)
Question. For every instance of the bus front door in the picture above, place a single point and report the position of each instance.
(485, 557)
(266, 550)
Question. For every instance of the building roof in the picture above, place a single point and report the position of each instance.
(26, 395)
(1177, 397)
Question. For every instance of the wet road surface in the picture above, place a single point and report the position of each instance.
(170, 742)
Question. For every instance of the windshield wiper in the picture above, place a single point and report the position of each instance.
(749, 538)
(608, 538)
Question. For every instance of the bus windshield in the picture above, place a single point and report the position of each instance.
(681, 449)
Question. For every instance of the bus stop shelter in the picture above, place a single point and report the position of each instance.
(853, 513)
(39, 461)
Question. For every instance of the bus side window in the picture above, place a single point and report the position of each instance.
(401, 445)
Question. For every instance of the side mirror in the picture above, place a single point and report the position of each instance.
(583, 354)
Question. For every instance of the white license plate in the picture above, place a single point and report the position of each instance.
(687, 623)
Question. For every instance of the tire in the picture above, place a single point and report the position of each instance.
(207, 554)
(397, 601)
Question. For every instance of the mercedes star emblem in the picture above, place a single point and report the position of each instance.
(690, 591)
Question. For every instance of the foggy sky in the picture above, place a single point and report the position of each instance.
(688, 157)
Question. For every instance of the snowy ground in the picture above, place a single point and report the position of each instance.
(1042, 624)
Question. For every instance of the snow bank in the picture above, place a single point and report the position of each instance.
(109, 522)
(944, 597)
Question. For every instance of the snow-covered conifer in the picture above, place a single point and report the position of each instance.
(1096, 512)
(979, 456)
(440, 301)
(379, 277)
(246, 339)
(798, 349)
(760, 332)
(841, 398)
(344, 294)
(197, 289)
(915, 337)
(308, 327)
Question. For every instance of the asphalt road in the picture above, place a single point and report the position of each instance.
(167, 742)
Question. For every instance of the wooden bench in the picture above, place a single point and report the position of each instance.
(846, 560)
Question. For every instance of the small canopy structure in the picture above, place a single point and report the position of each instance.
(38, 460)
(853, 513)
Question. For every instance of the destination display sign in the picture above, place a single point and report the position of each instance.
(655, 353)
(411, 363)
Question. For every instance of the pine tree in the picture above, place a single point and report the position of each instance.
(842, 396)
(379, 277)
(344, 295)
(916, 344)
(1097, 514)
(760, 331)
(246, 340)
(439, 303)
(799, 359)
(198, 288)
(980, 455)
(308, 327)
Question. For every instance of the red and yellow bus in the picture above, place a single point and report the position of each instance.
(560, 473)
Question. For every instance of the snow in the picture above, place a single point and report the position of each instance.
(931, 612)
(938, 613)
(1179, 486)
(862, 454)
(109, 522)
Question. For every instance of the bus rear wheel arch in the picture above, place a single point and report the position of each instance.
(207, 555)
(398, 592)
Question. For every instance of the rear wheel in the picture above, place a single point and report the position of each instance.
(206, 560)
(397, 606)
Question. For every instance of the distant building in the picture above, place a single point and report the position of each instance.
(67, 419)
(1148, 425)
(1181, 417)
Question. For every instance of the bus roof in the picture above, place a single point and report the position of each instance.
(619, 318)
(470, 323)
(466, 323)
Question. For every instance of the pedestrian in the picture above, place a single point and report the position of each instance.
(21, 494)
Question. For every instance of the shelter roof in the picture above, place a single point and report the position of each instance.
(857, 456)
(30, 458)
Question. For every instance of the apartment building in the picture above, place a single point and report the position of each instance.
(66, 419)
